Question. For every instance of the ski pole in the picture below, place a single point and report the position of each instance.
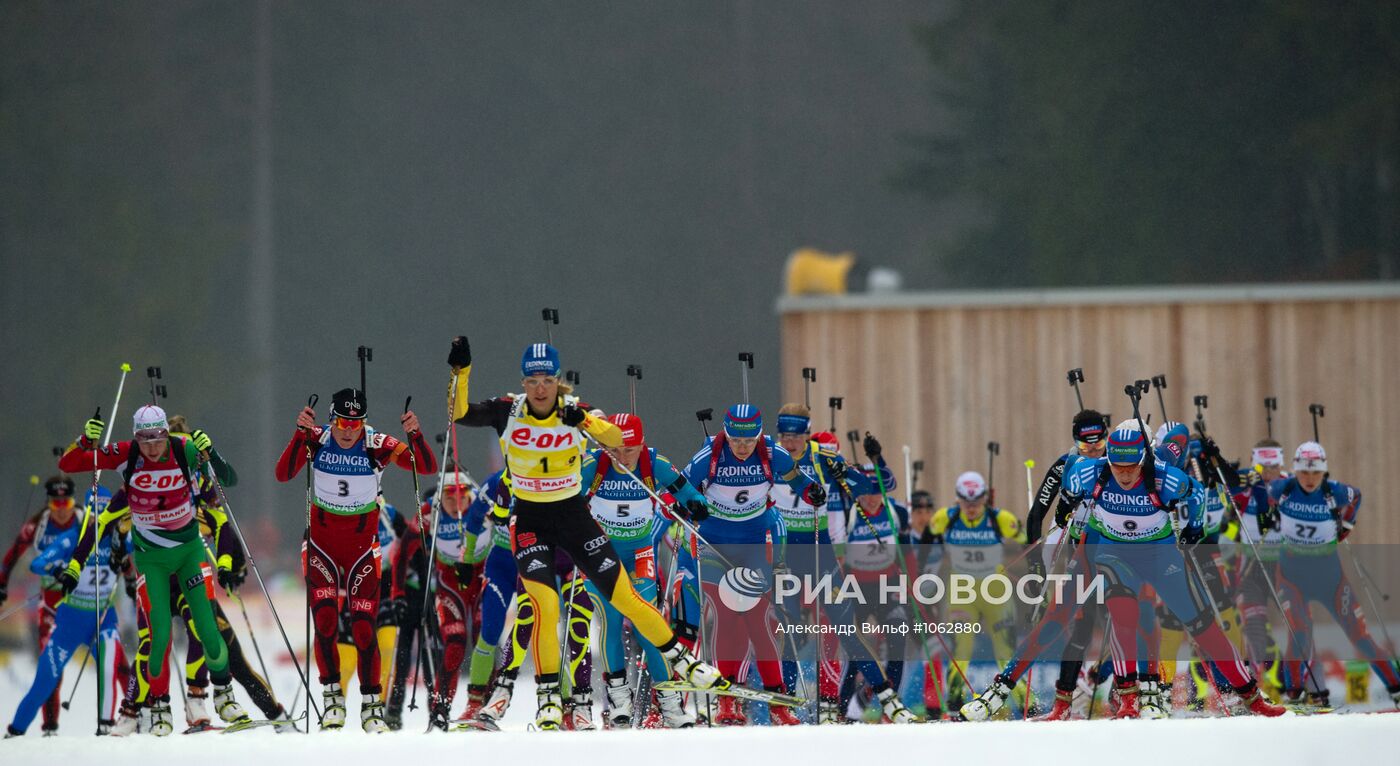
(835, 404)
(91, 515)
(20, 607)
(1317, 412)
(641, 702)
(909, 475)
(1368, 586)
(914, 478)
(34, 485)
(1030, 492)
(247, 623)
(1270, 406)
(305, 563)
(809, 376)
(675, 514)
(1076, 376)
(253, 565)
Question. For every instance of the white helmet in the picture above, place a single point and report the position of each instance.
(1310, 456)
(148, 423)
(970, 486)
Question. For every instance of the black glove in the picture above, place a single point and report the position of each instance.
(816, 495)
(396, 611)
(1063, 510)
(872, 446)
(465, 572)
(1268, 518)
(572, 415)
(4, 593)
(1209, 449)
(837, 470)
(232, 579)
(693, 511)
(1193, 533)
(130, 583)
(461, 353)
(67, 581)
(1037, 566)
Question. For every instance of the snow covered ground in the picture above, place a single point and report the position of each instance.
(1310, 740)
(1318, 739)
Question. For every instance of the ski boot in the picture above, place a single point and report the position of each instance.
(579, 715)
(161, 723)
(730, 712)
(828, 712)
(49, 730)
(372, 714)
(1395, 696)
(197, 708)
(699, 674)
(438, 712)
(1127, 700)
(332, 707)
(11, 731)
(619, 713)
(1150, 700)
(1063, 708)
(226, 706)
(673, 712)
(284, 723)
(127, 722)
(988, 703)
(495, 708)
(549, 713)
(893, 707)
(104, 727)
(476, 700)
(781, 715)
(1257, 703)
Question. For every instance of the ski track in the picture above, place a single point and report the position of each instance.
(1315, 740)
(1319, 739)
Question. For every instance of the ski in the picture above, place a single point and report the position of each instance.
(200, 728)
(741, 692)
(238, 726)
(479, 724)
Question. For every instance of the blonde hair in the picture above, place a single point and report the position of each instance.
(796, 408)
(178, 425)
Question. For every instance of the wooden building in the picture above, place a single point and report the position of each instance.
(947, 372)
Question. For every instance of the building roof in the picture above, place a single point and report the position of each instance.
(1099, 296)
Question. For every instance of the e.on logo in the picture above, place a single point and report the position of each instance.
(525, 437)
(156, 480)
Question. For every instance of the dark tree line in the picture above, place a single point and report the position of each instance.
(1182, 141)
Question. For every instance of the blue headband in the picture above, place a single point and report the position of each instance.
(794, 424)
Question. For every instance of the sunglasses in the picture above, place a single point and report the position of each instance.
(61, 502)
(348, 424)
